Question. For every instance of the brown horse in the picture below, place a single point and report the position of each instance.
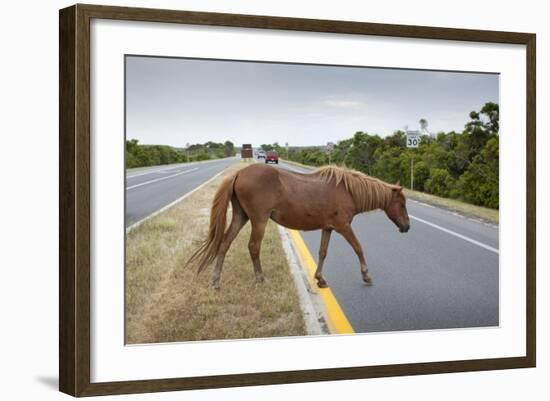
(326, 199)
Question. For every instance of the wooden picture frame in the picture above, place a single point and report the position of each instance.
(74, 199)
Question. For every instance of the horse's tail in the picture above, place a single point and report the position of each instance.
(218, 220)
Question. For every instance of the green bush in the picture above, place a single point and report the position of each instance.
(440, 182)
(201, 156)
(421, 174)
(152, 155)
(479, 183)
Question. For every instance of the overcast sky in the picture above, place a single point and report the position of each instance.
(178, 101)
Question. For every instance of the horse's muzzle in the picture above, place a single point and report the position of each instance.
(404, 228)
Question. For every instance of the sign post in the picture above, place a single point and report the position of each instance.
(329, 149)
(412, 174)
(413, 139)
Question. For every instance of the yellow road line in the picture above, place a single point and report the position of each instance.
(337, 321)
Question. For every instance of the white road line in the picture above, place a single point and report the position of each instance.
(168, 167)
(422, 203)
(284, 165)
(463, 237)
(154, 172)
(161, 178)
(168, 206)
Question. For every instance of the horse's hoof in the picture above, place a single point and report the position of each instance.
(367, 280)
(322, 284)
(260, 280)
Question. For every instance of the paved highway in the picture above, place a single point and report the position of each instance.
(443, 273)
(150, 189)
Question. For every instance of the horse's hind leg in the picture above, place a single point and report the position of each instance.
(325, 238)
(255, 244)
(238, 220)
(349, 235)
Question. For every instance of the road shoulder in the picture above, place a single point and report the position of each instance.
(328, 310)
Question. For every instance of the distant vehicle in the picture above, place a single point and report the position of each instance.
(246, 151)
(272, 157)
(261, 154)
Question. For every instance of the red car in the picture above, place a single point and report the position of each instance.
(271, 157)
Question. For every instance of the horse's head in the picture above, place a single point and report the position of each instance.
(397, 209)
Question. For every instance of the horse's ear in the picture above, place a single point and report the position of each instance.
(396, 188)
(398, 183)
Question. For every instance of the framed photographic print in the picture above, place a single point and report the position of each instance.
(250, 200)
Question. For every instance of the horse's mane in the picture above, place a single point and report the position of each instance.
(368, 193)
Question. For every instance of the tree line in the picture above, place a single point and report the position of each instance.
(138, 155)
(461, 165)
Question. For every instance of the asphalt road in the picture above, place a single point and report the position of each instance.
(150, 189)
(443, 273)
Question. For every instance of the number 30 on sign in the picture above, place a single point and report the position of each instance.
(413, 141)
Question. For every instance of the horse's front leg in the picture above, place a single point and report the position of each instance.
(349, 235)
(325, 238)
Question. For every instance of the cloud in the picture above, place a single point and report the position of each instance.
(346, 103)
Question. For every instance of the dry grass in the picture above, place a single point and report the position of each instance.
(166, 302)
(480, 212)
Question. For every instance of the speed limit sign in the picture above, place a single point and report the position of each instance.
(413, 139)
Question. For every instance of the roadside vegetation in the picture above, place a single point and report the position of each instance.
(480, 212)
(166, 302)
(458, 165)
(138, 155)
